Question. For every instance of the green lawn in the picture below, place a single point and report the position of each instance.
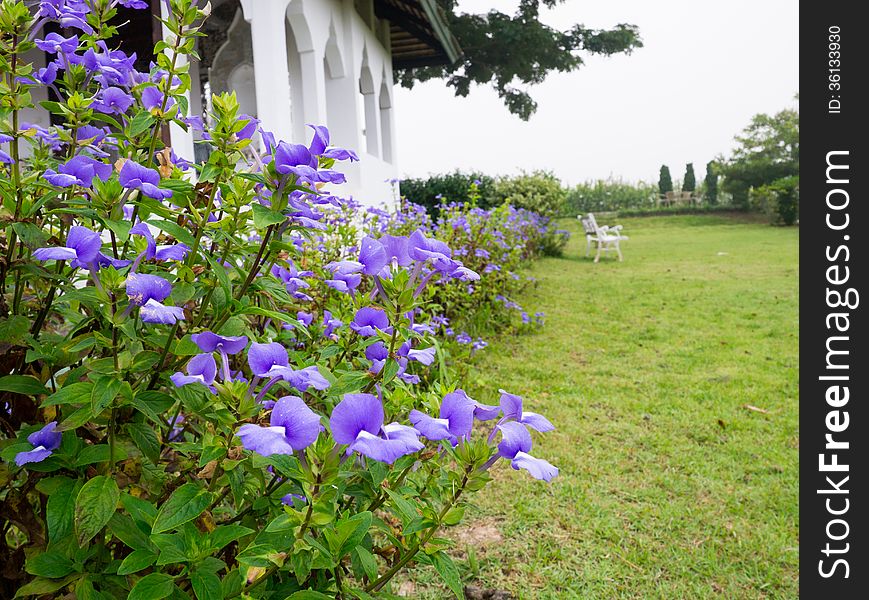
(670, 487)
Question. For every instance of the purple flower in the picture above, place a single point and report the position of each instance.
(358, 422)
(293, 281)
(293, 426)
(345, 275)
(54, 43)
(294, 500)
(396, 248)
(211, 342)
(156, 312)
(372, 255)
(152, 99)
(112, 100)
(140, 4)
(377, 353)
(425, 356)
(515, 445)
(455, 420)
(305, 318)
(135, 176)
(511, 406)
(82, 248)
(200, 370)
(290, 156)
(142, 288)
(330, 324)
(44, 442)
(262, 358)
(368, 320)
(79, 170)
(246, 132)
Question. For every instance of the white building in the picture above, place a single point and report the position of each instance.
(331, 62)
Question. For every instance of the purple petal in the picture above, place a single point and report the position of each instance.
(59, 253)
(85, 242)
(142, 288)
(301, 424)
(354, 414)
(514, 438)
(264, 440)
(426, 356)
(511, 405)
(376, 351)
(172, 252)
(535, 421)
(381, 450)
(262, 357)
(539, 468)
(38, 454)
(155, 312)
(46, 437)
(211, 342)
(372, 255)
(203, 365)
(291, 155)
(396, 249)
(458, 409)
(433, 429)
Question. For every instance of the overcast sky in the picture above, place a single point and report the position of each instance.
(704, 70)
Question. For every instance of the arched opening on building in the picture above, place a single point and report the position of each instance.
(385, 103)
(369, 109)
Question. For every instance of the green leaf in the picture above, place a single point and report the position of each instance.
(76, 419)
(60, 510)
(105, 390)
(152, 587)
(126, 530)
(446, 568)
(22, 384)
(49, 564)
(74, 393)
(362, 557)
(32, 236)
(94, 506)
(225, 534)
(136, 561)
(141, 123)
(206, 586)
(349, 533)
(14, 329)
(41, 586)
(152, 403)
(185, 504)
(308, 595)
(175, 230)
(98, 454)
(406, 510)
(263, 217)
(172, 548)
(146, 440)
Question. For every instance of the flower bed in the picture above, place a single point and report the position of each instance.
(223, 379)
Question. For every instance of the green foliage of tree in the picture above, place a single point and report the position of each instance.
(768, 150)
(514, 52)
(433, 190)
(779, 200)
(539, 191)
(711, 181)
(689, 182)
(665, 182)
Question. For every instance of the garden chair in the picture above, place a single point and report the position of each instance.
(607, 238)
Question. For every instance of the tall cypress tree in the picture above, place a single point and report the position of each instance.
(712, 182)
(689, 183)
(665, 182)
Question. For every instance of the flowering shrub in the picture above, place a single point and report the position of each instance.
(210, 385)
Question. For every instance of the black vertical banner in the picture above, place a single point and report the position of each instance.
(834, 418)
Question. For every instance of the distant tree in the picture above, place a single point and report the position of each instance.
(665, 182)
(513, 53)
(711, 182)
(689, 182)
(768, 150)
(539, 191)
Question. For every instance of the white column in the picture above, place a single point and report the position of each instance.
(313, 87)
(267, 23)
(181, 141)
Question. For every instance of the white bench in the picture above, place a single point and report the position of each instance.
(607, 238)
